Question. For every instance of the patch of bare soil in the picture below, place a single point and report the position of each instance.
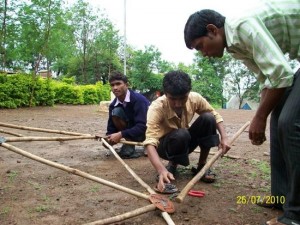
(34, 193)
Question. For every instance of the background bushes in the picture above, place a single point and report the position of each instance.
(23, 90)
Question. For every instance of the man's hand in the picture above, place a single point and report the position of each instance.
(224, 146)
(110, 143)
(257, 131)
(164, 177)
(114, 138)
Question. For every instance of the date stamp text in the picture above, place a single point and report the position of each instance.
(253, 199)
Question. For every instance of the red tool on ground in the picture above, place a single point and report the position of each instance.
(195, 193)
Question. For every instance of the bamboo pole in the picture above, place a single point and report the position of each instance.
(132, 143)
(123, 141)
(41, 129)
(226, 155)
(135, 176)
(74, 171)
(165, 215)
(20, 139)
(34, 138)
(124, 216)
(11, 133)
(196, 178)
(98, 180)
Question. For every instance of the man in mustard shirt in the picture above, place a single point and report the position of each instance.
(169, 135)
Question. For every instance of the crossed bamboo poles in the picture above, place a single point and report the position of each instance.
(78, 136)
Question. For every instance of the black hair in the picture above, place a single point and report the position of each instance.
(177, 83)
(116, 75)
(196, 24)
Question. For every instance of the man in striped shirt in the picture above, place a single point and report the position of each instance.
(261, 39)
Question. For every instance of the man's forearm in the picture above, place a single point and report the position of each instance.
(269, 100)
(154, 158)
(221, 130)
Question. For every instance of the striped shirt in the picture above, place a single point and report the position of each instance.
(262, 38)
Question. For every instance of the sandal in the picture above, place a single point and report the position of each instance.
(169, 189)
(208, 177)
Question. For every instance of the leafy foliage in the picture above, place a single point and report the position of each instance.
(103, 91)
(81, 44)
(207, 81)
(44, 93)
(26, 90)
(15, 91)
(90, 95)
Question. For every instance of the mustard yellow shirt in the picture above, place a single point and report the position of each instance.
(161, 119)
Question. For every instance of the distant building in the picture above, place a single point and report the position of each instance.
(247, 104)
(45, 73)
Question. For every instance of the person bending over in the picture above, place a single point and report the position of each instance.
(169, 135)
(261, 39)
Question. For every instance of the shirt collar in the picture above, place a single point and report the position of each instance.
(126, 100)
(170, 112)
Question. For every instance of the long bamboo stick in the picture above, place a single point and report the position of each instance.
(226, 155)
(124, 216)
(196, 178)
(41, 129)
(135, 176)
(11, 133)
(35, 138)
(132, 143)
(165, 215)
(74, 171)
(124, 141)
(20, 139)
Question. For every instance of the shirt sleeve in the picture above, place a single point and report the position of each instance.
(256, 47)
(140, 108)
(202, 105)
(110, 125)
(154, 116)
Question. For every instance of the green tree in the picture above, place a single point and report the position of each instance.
(37, 18)
(105, 56)
(3, 33)
(84, 22)
(206, 80)
(8, 33)
(240, 82)
(146, 67)
(97, 43)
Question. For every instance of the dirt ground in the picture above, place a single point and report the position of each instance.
(33, 193)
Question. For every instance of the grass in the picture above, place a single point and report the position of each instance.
(41, 208)
(257, 209)
(216, 185)
(263, 167)
(95, 188)
(12, 175)
(251, 173)
(45, 198)
(36, 186)
(44, 207)
(4, 211)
